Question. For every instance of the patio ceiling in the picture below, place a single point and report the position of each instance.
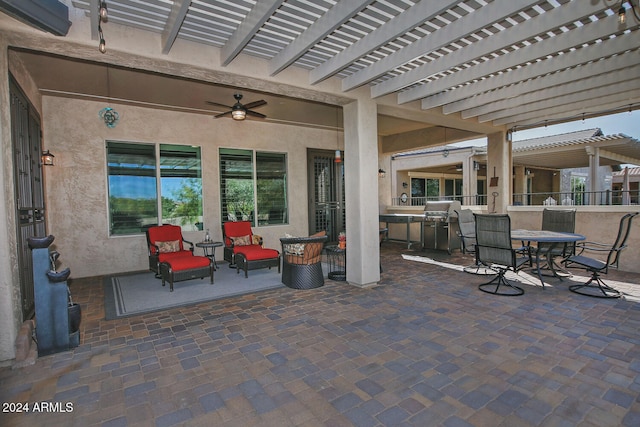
(510, 63)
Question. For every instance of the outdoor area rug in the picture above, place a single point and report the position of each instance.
(141, 292)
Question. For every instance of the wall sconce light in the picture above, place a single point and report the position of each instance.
(47, 158)
(338, 158)
(476, 166)
(405, 185)
(381, 173)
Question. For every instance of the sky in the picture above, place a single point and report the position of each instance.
(627, 123)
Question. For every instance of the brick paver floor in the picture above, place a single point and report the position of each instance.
(424, 347)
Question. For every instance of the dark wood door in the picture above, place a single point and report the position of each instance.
(326, 193)
(29, 188)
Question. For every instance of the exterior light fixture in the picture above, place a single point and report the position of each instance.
(102, 47)
(381, 173)
(103, 10)
(102, 17)
(622, 11)
(622, 15)
(47, 158)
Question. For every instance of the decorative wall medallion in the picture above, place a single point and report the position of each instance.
(110, 116)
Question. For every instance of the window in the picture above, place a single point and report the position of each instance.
(453, 189)
(253, 186)
(423, 189)
(147, 179)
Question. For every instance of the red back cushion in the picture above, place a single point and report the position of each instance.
(236, 229)
(164, 233)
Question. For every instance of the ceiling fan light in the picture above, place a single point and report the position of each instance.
(238, 114)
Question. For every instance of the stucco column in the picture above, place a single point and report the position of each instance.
(499, 163)
(385, 183)
(520, 185)
(469, 181)
(593, 182)
(10, 316)
(361, 192)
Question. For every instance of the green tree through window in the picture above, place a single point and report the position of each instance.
(253, 186)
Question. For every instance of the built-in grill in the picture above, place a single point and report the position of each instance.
(440, 227)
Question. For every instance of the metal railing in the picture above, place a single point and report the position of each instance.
(421, 201)
(581, 198)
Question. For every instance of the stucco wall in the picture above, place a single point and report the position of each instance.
(76, 187)
(10, 297)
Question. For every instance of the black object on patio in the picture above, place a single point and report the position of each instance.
(493, 249)
(302, 261)
(560, 220)
(596, 287)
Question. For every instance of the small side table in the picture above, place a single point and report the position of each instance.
(209, 249)
(337, 261)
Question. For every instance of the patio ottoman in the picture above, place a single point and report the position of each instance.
(185, 267)
(252, 257)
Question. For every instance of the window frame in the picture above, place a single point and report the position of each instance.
(256, 216)
(156, 171)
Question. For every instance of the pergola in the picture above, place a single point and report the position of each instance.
(510, 64)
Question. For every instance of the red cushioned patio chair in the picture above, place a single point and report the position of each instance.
(169, 259)
(243, 249)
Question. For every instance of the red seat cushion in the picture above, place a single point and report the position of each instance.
(167, 256)
(256, 252)
(188, 262)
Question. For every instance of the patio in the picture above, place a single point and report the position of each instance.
(423, 347)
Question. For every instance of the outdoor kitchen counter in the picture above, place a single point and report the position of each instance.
(404, 218)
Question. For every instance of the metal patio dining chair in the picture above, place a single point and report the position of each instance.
(559, 220)
(494, 250)
(595, 286)
(467, 234)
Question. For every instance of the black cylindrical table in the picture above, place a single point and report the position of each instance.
(337, 260)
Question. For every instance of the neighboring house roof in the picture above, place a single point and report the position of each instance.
(553, 140)
(561, 151)
(572, 150)
(618, 176)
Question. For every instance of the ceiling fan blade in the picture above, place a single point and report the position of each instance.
(255, 104)
(254, 114)
(218, 105)
(221, 115)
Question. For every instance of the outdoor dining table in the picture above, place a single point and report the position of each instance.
(544, 236)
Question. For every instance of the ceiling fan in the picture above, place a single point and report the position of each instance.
(239, 111)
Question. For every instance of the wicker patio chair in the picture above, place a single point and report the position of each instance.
(302, 261)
